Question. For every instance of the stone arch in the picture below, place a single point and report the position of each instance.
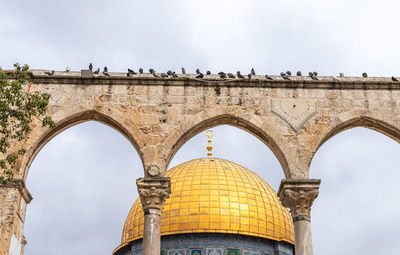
(227, 119)
(362, 121)
(69, 121)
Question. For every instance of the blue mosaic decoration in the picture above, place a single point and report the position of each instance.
(196, 251)
(232, 252)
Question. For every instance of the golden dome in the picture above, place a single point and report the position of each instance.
(211, 195)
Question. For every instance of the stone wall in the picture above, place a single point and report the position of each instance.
(158, 115)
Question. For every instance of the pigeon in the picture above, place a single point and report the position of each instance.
(200, 76)
(90, 67)
(105, 71)
(313, 75)
(268, 77)
(140, 70)
(151, 70)
(239, 75)
(183, 71)
(289, 73)
(49, 73)
(197, 71)
(164, 75)
(394, 78)
(365, 75)
(230, 75)
(222, 75)
(128, 74)
(285, 76)
(169, 72)
(253, 72)
(298, 73)
(67, 69)
(174, 75)
(130, 71)
(97, 71)
(208, 72)
(249, 76)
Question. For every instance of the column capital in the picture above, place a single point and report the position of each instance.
(298, 195)
(153, 192)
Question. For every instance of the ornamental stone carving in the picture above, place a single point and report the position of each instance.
(153, 192)
(298, 196)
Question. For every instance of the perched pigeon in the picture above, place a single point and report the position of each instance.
(151, 70)
(197, 71)
(208, 72)
(140, 70)
(105, 71)
(90, 67)
(249, 76)
(169, 72)
(183, 71)
(230, 75)
(315, 73)
(289, 73)
(268, 77)
(314, 78)
(365, 75)
(130, 71)
(298, 73)
(253, 72)
(200, 76)
(239, 75)
(128, 74)
(285, 76)
(97, 71)
(67, 69)
(174, 75)
(49, 73)
(394, 78)
(164, 75)
(222, 75)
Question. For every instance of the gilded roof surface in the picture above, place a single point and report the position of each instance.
(215, 195)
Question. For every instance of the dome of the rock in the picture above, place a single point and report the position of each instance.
(218, 199)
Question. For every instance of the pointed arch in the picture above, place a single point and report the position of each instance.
(227, 119)
(363, 121)
(69, 121)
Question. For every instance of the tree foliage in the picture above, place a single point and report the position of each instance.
(18, 108)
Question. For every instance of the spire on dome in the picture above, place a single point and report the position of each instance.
(209, 134)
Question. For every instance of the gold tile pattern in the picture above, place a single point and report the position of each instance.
(216, 195)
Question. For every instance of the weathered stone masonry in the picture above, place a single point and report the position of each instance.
(158, 115)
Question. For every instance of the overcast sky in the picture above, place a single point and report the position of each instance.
(83, 181)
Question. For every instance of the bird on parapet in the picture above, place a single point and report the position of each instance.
(230, 75)
(183, 71)
(105, 71)
(131, 72)
(151, 70)
(174, 75)
(169, 72)
(140, 70)
(239, 75)
(252, 71)
(285, 76)
(164, 75)
(97, 71)
(200, 75)
(365, 75)
(91, 67)
(298, 73)
(268, 77)
(197, 71)
(313, 75)
(222, 75)
(49, 73)
(289, 73)
(249, 76)
(208, 72)
(394, 78)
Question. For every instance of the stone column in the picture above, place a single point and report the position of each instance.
(153, 192)
(14, 198)
(298, 196)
